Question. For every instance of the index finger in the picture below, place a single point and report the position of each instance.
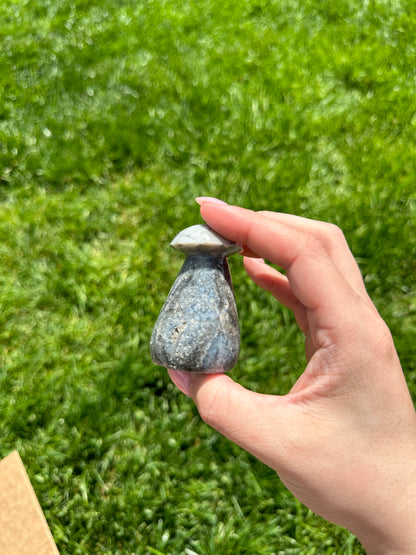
(334, 242)
(314, 278)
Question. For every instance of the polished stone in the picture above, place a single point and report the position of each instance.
(197, 329)
(201, 239)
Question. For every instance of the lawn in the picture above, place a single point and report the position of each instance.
(114, 115)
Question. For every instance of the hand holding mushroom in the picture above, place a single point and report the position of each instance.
(343, 440)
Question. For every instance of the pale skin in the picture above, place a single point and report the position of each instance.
(343, 440)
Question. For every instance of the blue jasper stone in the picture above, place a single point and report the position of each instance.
(197, 329)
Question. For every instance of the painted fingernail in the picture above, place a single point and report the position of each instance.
(181, 379)
(212, 200)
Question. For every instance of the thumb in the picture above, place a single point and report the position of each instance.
(251, 420)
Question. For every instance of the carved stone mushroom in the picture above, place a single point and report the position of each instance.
(197, 329)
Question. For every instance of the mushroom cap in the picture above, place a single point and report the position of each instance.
(201, 239)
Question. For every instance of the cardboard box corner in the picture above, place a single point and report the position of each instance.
(23, 526)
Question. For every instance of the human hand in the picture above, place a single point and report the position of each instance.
(343, 440)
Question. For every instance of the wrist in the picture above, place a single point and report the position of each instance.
(388, 522)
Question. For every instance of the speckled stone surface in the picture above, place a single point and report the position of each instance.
(197, 329)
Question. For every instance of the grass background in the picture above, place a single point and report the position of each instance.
(113, 117)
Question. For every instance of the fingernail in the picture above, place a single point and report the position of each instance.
(201, 200)
(181, 379)
(250, 254)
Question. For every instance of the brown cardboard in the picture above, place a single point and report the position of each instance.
(23, 527)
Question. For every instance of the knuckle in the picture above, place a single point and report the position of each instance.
(332, 234)
(314, 244)
(384, 340)
(335, 233)
(324, 239)
(377, 336)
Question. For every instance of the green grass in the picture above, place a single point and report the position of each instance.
(113, 117)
